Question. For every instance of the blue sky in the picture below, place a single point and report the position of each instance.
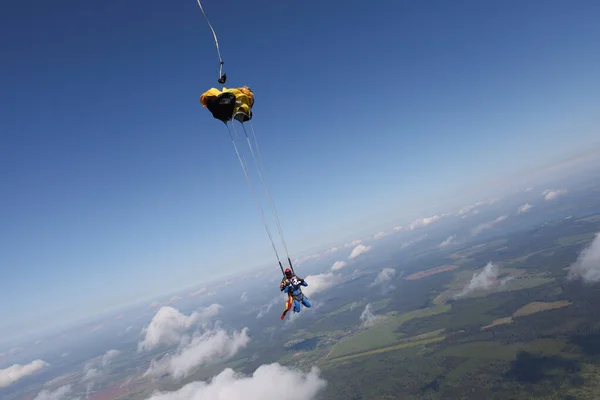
(118, 185)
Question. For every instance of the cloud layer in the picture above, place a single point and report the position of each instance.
(16, 372)
(587, 266)
(268, 382)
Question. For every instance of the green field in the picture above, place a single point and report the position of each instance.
(574, 239)
(383, 334)
(593, 218)
(400, 346)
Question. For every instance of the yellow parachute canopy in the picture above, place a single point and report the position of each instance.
(230, 103)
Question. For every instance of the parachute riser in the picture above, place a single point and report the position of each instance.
(222, 77)
(291, 266)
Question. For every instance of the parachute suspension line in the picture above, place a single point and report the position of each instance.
(260, 168)
(262, 214)
(222, 76)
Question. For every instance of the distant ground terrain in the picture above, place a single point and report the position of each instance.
(431, 271)
(531, 333)
(454, 327)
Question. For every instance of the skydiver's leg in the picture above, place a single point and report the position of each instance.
(288, 306)
(306, 302)
(296, 306)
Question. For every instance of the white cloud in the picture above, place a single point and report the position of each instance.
(385, 275)
(16, 372)
(58, 394)
(265, 309)
(551, 194)
(471, 207)
(414, 241)
(524, 208)
(367, 317)
(305, 259)
(338, 265)
(265, 384)
(587, 265)
(358, 250)
(97, 368)
(384, 279)
(206, 345)
(353, 243)
(11, 352)
(198, 292)
(423, 222)
(168, 326)
(244, 297)
(90, 374)
(450, 240)
(97, 327)
(398, 228)
(483, 280)
(109, 356)
(487, 225)
(318, 283)
(380, 235)
(201, 349)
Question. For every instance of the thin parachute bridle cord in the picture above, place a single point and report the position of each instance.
(221, 62)
(244, 168)
(260, 168)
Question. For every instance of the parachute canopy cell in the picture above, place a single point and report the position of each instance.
(227, 104)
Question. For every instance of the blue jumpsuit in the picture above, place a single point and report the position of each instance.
(296, 291)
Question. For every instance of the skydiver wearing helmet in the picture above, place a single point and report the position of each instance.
(291, 284)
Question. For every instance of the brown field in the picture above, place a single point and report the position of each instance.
(429, 272)
(538, 306)
(528, 309)
(500, 321)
